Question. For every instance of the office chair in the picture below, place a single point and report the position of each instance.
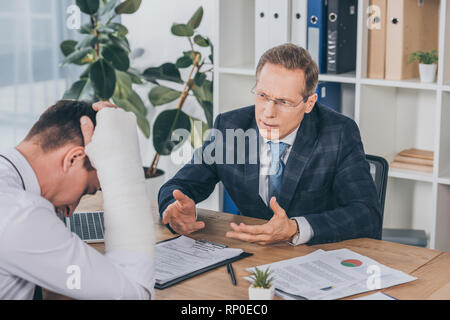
(379, 169)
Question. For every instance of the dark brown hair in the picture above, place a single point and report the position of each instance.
(59, 125)
(293, 57)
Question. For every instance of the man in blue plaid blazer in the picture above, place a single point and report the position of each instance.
(306, 172)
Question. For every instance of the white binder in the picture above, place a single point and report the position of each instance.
(272, 24)
(299, 22)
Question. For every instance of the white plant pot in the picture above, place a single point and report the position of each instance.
(427, 72)
(261, 293)
(153, 185)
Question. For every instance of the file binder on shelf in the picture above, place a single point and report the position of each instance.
(272, 25)
(329, 95)
(412, 25)
(376, 52)
(299, 23)
(317, 32)
(342, 32)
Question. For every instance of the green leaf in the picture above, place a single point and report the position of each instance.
(120, 42)
(88, 6)
(123, 85)
(135, 75)
(202, 42)
(85, 73)
(87, 42)
(128, 7)
(199, 79)
(211, 56)
(67, 47)
(119, 28)
(192, 54)
(107, 7)
(161, 95)
(117, 56)
(167, 71)
(165, 124)
(208, 110)
(204, 92)
(81, 90)
(182, 30)
(196, 19)
(86, 28)
(198, 129)
(105, 29)
(184, 62)
(103, 78)
(79, 56)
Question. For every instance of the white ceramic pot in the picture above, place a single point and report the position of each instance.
(261, 293)
(154, 184)
(427, 72)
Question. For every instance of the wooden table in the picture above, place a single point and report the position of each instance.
(431, 267)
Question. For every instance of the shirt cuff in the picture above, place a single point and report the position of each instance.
(305, 231)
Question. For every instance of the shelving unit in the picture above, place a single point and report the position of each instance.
(392, 115)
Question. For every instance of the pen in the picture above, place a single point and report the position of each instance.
(231, 272)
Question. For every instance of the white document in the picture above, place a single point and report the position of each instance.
(376, 296)
(176, 258)
(299, 22)
(332, 275)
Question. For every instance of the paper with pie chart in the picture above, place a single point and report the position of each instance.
(332, 275)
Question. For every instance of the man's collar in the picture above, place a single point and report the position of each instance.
(26, 171)
(289, 139)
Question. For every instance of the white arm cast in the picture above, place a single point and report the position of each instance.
(114, 152)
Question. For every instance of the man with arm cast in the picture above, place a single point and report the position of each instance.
(49, 172)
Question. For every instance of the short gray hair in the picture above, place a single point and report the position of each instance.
(293, 57)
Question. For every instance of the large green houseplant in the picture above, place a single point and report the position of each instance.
(197, 84)
(104, 50)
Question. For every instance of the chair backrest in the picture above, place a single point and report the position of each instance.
(379, 169)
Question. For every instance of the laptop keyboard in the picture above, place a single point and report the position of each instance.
(87, 225)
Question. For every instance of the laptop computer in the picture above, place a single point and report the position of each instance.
(89, 226)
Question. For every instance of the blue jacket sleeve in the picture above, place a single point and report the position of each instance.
(197, 179)
(358, 213)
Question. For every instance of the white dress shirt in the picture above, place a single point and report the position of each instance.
(37, 248)
(305, 231)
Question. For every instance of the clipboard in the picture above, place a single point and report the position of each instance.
(172, 282)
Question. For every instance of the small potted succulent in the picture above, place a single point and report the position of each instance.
(427, 64)
(262, 287)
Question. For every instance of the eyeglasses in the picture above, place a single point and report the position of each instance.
(282, 104)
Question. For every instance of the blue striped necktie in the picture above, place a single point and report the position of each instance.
(276, 168)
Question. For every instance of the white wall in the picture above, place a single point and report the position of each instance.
(149, 28)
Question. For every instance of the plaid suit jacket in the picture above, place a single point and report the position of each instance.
(326, 178)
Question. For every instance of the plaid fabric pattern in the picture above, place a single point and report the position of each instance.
(326, 178)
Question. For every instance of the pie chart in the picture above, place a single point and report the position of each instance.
(351, 263)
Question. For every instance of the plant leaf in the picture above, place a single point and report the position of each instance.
(128, 7)
(182, 30)
(196, 19)
(119, 28)
(184, 62)
(86, 42)
(103, 78)
(88, 6)
(117, 56)
(161, 95)
(208, 110)
(81, 90)
(198, 129)
(86, 28)
(166, 122)
(202, 42)
(67, 47)
(107, 7)
(204, 92)
(167, 71)
(120, 42)
(123, 85)
(78, 56)
(199, 79)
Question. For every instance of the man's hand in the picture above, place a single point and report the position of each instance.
(87, 126)
(180, 215)
(279, 228)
